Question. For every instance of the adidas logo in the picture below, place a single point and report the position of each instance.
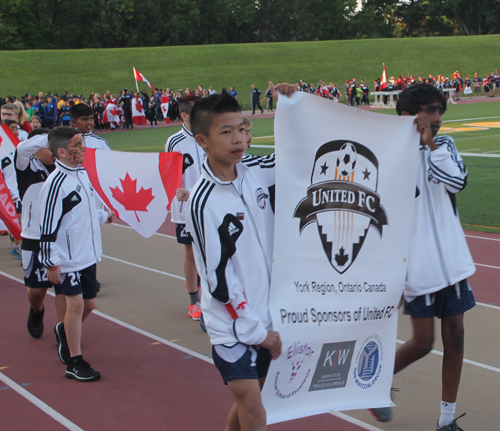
(74, 198)
(232, 229)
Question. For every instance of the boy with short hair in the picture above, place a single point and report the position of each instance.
(193, 157)
(34, 163)
(231, 220)
(70, 243)
(439, 261)
(82, 119)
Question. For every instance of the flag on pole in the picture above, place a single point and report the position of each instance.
(137, 187)
(164, 108)
(383, 84)
(138, 116)
(140, 77)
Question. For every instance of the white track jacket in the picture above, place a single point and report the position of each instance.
(439, 255)
(70, 232)
(232, 226)
(193, 157)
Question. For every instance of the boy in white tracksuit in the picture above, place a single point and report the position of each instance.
(231, 221)
(439, 261)
(70, 243)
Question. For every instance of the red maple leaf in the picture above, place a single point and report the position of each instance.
(131, 199)
(138, 106)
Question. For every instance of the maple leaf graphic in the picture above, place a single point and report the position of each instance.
(138, 106)
(131, 199)
(341, 258)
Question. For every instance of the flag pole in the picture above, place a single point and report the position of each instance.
(135, 77)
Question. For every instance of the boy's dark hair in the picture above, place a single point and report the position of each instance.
(39, 131)
(186, 104)
(205, 109)
(80, 110)
(9, 122)
(414, 97)
(60, 137)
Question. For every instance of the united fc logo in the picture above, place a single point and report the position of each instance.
(342, 199)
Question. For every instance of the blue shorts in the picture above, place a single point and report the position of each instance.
(82, 282)
(241, 361)
(450, 301)
(35, 274)
(183, 236)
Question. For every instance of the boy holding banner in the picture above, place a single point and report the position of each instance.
(439, 261)
(230, 217)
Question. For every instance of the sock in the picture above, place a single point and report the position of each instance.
(194, 297)
(447, 412)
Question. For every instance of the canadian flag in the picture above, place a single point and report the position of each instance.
(164, 108)
(138, 116)
(8, 213)
(140, 77)
(138, 187)
(111, 113)
(383, 84)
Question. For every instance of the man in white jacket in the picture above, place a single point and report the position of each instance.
(439, 261)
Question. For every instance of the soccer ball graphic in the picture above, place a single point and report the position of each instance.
(346, 160)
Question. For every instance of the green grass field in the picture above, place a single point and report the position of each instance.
(478, 208)
(86, 71)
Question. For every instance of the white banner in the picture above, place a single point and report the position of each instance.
(345, 185)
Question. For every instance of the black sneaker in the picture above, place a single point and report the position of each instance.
(63, 350)
(35, 322)
(450, 427)
(81, 371)
(57, 336)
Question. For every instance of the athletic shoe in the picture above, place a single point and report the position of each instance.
(81, 371)
(195, 311)
(63, 350)
(202, 323)
(450, 427)
(383, 414)
(35, 322)
(57, 336)
(16, 252)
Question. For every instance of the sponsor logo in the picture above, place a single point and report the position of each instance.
(368, 364)
(332, 369)
(286, 385)
(261, 198)
(342, 199)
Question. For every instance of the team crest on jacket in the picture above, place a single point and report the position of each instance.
(261, 198)
(342, 199)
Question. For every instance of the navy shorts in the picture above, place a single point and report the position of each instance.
(82, 282)
(183, 236)
(241, 361)
(35, 274)
(450, 301)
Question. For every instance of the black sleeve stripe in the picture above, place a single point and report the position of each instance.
(54, 188)
(101, 139)
(198, 204)
(174, 141)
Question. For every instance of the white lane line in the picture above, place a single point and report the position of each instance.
(262, 146)
(487, 266)
(491, 152)
(472, 149)
(40, 404)
(144, 267)
(263, 137)
(470, 119)
(482, 237)
(467, 361)
(355, 421)
(479, 154)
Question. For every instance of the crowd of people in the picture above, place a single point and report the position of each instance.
(114, 111)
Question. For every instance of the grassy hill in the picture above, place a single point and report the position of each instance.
(86, 71)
